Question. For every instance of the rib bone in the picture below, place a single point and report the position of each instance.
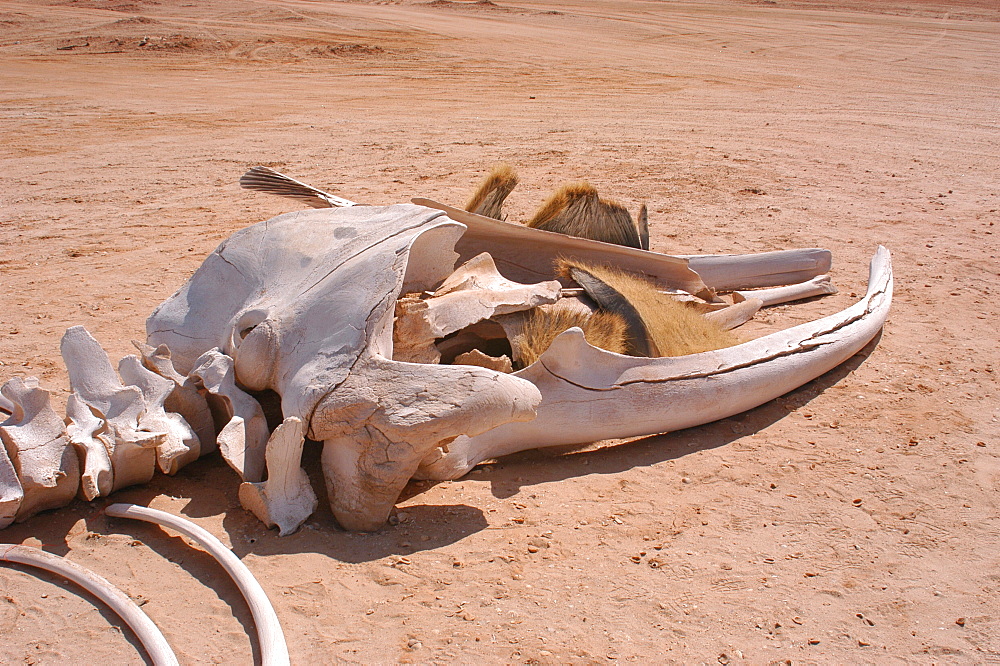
(590, 395)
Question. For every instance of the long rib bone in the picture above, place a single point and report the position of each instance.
(590, 395)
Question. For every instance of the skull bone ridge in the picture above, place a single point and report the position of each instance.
(304, 304)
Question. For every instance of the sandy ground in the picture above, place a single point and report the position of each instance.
(853, 520)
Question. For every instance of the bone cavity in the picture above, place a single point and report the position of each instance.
(286, 499)
(474, 292)
(35, 440)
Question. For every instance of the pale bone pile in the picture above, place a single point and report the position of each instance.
(307, 305)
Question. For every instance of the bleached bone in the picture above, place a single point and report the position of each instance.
(185, 399)
(11, 492)
(243, 440)
(273, 649)
(93, 379)
(305, 304)
(36, 443)
(736, 314)
(181, 445)
(6, 407)
(818, 286)
(89, 435)
(286, 499)
(590, 394)
(474, 292)
(725, 272)
(148, 634)
(527, 255)
(476, 357)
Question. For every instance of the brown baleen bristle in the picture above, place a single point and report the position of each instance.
(489, 198)
(673, 328)
(577, 210)
(605, 330)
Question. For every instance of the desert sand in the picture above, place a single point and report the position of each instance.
(853, 520)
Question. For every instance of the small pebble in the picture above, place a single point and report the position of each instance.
(960, 621)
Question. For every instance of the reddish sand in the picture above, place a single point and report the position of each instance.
(853, 520)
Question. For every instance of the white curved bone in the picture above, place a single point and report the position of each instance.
(274, 651)
(735, 315)
(35, 440)
(589, 394)
(725, 272)
(148, 634)
(818, 286)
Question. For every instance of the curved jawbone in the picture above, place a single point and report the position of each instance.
(589, 394)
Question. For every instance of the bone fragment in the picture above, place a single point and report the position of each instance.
(181, 445)
(735, 315)
(526, 255)
(11, 492)
(374, 439)
(36, 443)
(474, 292)
(93, 379)
(243, 440)
(590, 395)
(6, 407)
(478, 358)
(185, 399)
(286, 499)
(273, 649)
(726, 272)
(89, 435)
(818, 286)
(149, 635)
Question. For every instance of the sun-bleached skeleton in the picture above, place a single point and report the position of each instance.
(306, 305)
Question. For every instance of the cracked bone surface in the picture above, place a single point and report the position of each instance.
(93, 379)
(38, 450)
(304, 305)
